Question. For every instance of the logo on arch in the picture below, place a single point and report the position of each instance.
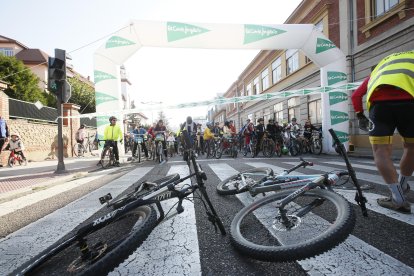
(117, 41)
(101, 76)
(337, 97)
(338, 117)
(103, 98)
(253, 33)
(335, 77)
(177, 31)
(323, 45)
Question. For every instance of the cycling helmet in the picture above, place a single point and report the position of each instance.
(189, 120)
(293, 119)
(260, 120)
(112, 118)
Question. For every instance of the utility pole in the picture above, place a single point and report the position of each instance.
(58, 85)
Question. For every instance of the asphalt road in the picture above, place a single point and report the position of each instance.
(189, 244)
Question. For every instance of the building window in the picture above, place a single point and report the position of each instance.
(249, 89)
(382, 6)
(319, 25)
(292, 61)
(256, 87)
(8, 52)
(265, 79)
(276, 70)
(315, 112)
(278, 109)
(293, 108)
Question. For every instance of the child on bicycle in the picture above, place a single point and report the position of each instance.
(16, 145)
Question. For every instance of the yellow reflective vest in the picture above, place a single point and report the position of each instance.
(397, 70)
(113, 133)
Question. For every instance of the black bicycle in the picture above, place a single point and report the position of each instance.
(301, 222)
(104, 243)
(107, 156)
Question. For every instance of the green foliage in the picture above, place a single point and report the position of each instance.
(82, 94)
(23, 84)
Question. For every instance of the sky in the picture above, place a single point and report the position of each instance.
(167, 75)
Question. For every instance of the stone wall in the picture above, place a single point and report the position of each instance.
(40, 138)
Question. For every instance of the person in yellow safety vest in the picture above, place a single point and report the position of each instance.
(390, 102)
(113, 134)
(208, 137)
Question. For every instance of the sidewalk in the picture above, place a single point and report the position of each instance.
(367, 153)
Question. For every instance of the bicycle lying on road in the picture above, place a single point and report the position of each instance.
(302, 223)
(101, 245)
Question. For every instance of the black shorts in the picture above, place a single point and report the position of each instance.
(390, 115)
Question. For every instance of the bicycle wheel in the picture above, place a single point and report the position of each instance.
(92, 146)
(106, 158)
(278, 149)
(268, 148)
(293, 149)
(11, 162)
(138, 152)
(109, 246)
(78, 150)
(316, 146)
(230, 186)
(219, 151)
(252, 150)
(160, 152)
(319, 220)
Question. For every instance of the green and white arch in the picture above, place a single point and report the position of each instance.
(118, 48)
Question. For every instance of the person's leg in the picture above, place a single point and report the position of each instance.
(115, 149)
(406, 166)
(385, 165)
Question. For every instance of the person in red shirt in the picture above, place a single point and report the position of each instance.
(390, 102)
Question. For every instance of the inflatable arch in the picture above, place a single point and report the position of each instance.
(123, 44)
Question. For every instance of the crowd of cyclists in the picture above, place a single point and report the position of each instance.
(215, 139)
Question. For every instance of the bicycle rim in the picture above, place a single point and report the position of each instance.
(109, 246)
(327, 225)
(11, 162)
(106, 158)
(230, 186)
(317, 146)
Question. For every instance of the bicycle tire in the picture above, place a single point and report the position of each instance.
(106, 158)
(317, 146)
(118, 239)
(10, 162)
(78, 150)
(281, 244)
(252, 151)
(138, 153)
(219, 151)
(229, 186)
(268, 149)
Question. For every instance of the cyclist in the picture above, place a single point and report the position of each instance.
(260, 129)
(307, 130)
(248, 132)
(113, 134)
(390, 102)
(160, 129)
(139, 130)
(4, 133)
(271, 129)
(16, 145)
(208, 137)
(80, 135)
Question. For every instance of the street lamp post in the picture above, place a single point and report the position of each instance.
(152, 111)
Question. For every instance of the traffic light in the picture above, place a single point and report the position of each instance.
(57, 72)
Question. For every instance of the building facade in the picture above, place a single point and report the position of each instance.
(365, 30)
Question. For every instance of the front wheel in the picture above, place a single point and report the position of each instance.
(231, 185)
(315, 222)
(11, 162)
(106, 158)
(316, 146)
(108, 246)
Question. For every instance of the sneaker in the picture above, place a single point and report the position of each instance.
(389, 204)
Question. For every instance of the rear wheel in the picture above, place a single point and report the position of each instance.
(316, 146)
(230, 186)
(316, 221)
(108, 246)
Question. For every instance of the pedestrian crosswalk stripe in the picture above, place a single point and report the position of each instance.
(32, 239)
(356, 256)
(173, 244)
(355, 165)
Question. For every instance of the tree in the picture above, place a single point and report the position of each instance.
(82, 94)
(163, 117)
(23, 84)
